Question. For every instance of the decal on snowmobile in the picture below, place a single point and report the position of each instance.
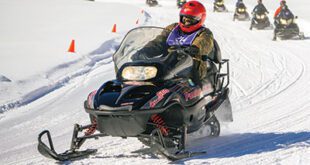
(159, 96)
(193, 94)
(91, 98)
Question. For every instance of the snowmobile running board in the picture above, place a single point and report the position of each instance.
(70, 154)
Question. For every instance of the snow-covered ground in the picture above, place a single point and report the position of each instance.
(42, 86)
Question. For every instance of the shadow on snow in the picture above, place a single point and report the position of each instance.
(237, 145)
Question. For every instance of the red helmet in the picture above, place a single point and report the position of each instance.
(194, 10)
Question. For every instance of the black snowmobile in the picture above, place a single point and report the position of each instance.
(260, 19)
(240, 13)
(218, 6)
(154, 99)
(151, 3)
(285, 26)
(180, 3)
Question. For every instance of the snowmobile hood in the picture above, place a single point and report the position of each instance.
(117, 94)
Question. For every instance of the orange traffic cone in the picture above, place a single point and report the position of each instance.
(72, 47)
(114, 28)
(137, 22)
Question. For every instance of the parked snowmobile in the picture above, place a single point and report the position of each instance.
(154, 99)
(260, 20)
(285, 26)
(180, 3)
(240, 13)
(152, 3)
(218, 6)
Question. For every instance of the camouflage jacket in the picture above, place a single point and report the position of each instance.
(203, 41)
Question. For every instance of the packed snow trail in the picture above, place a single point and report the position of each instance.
(270, 95)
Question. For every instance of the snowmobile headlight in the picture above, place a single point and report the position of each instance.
(220, 3)
(285, 21)
(289, 21)
(139, 72)
(241, 10)
(260, 16)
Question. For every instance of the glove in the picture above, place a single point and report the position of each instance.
(191, 50)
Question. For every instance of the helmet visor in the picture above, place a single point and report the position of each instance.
(189, 20)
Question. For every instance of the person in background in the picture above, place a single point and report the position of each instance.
(282, 4)
(260, 6)
(238, 3)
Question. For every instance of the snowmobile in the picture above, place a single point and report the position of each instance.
(218, 6)
(260, 20)
(240, 13)
(180, 3)
(152, 3)
(153, 98)
(285, 26)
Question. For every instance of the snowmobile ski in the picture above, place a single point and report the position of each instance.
(70, 154)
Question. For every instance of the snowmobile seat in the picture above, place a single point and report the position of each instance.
(214, 58)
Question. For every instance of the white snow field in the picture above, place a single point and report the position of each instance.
(42, 86)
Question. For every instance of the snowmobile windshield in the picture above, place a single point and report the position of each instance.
(143, 43)
(241, 6)
(145, 47)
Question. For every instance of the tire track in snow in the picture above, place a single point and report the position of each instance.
(272, 85)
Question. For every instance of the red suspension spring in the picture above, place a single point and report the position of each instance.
(92, 129)
(160, 123)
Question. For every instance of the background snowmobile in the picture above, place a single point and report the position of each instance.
(285, 26)
(151, 3)
(240, 13)
(218, 6)
(180, 3)
(153, 99)
(260, 20)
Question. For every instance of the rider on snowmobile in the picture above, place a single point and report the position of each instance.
(190, 34)
(260, 6)
(151, 2)
(218, 1)
(238, 3)
(259, 12)
(180, 3)
(284, 10)
(282, 4)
